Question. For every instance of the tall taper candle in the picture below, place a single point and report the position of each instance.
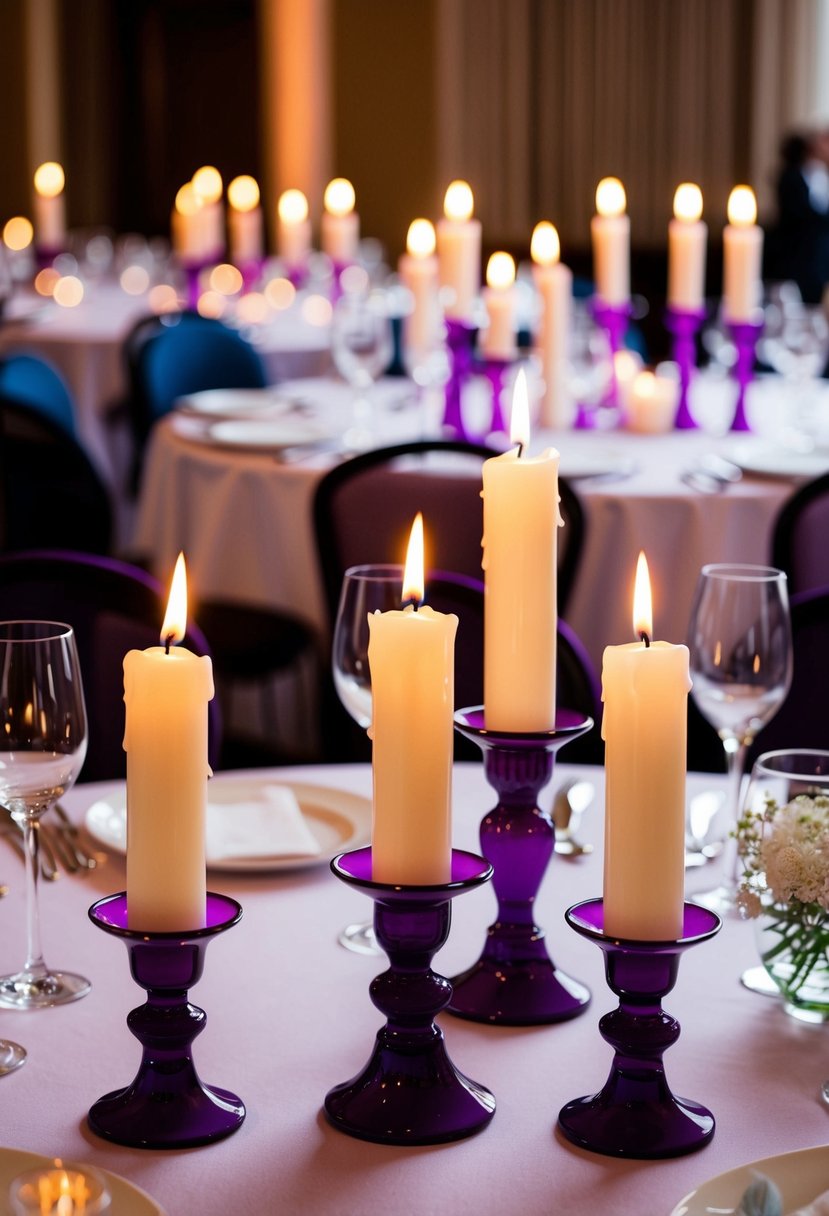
(742, 257)
(687, 237)
(554, 284)
(610, 235)
(459, 251)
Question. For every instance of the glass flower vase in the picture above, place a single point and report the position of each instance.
(794, 949)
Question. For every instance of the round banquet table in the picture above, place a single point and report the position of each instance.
(289, 1016)
(243, 516)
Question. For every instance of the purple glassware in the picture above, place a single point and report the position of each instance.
(167, 1105)
(515, 982)
(684, 324)
(495, 371)
(636, 1115)
(459, 340)
(614, 320)
(410, 1092)
(745, 335)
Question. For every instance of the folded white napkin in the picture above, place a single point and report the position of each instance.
(273, 826)
(818, 1207)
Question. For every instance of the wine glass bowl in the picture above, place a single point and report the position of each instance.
(361, 347)
(43, 740)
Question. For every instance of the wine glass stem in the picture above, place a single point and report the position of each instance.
(735, 757)
(35, 966)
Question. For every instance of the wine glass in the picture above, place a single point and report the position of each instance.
(365, 589)
(741, 667)
(42, 748)
(362, 348)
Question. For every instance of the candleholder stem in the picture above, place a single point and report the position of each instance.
(459, 340)
(636, 1114)
(495, 371)
(410, 1092)
(684, 324)
(614, 320)
(745, 335)
(515, 982)
(166, 1105)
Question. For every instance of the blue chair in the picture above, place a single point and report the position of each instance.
(33, 382)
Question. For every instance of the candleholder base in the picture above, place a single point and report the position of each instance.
(636, 1115)
(515, 982)
(683, 325)
(460, 338)
(410, 1092)
(45, 255)
(745, 335)
(495, 371)
(167, 1105)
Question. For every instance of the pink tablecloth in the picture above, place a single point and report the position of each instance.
(289, 1016)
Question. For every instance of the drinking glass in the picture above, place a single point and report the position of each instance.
(741, 667)
(42, 748)
(362, 348)
(365, 589)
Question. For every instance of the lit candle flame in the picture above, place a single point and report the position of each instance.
(49, 179)
(207, 183)
(545, 246)
(688, 203)
(742, 207)
(500, 271)
(458, 202)
(175, 619)
(188, 202)
(292, 207)
(642, 605)
(610, 197)
(420, 239)
(243, 193)
(339, 197)
(413, 578)
(519, 431)
(18, 233)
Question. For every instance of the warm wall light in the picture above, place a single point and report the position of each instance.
(458, 202)
(610, 197)
(292, 207)
(742, 207)
(243, 193)
(49, 179)
(339, 197)
(545, 247)
(688, 202)
(420, 239)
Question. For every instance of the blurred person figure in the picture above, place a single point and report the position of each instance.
(797, 248)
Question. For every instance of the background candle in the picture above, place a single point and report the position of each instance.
(244, 221)
(520, 519)
(651, 403)
(418, 270)
(554, 284)
(687, 237)
(742, 257)
(459, 251)
(49, 209)
(497, 341)
(186, 229)
(340, 232)
(207, 184)
(645, 693)
(610, 235)
(293, 229)
(411, 659)
(166, 696)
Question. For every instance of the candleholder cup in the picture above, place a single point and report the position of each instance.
(167, 1105)
(636, 1115)
(460, 338)
(515, 982)
(684, 324)
(614, 320)
(410, 1092)
(745, 335)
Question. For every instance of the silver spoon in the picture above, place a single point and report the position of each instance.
(569, 804)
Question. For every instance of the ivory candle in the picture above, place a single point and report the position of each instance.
(687, 238)
(610, 236)
(645, 693)
(49, 207)
(244, 221)
(418, 270)
(166, 690)
(554, 284)
(186, 228)
(293, 229)
(651, 403)
(208, 185)
(411, 660)
(459, 251)
(497, 341)
(742, 257)
(521, 515)
(340, 231)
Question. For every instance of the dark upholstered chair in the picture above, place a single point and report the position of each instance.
(31, 380)
(800, 541)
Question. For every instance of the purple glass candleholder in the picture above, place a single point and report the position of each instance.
(495, 371)
(410, 1092)
(684, 324)
(614, 320)
(45, 255)
(636, 1115)
(193, 269)
(338, 269)
(460, 338)
(167, 1105)
(251, 273)
(515, 982)
(745, 335)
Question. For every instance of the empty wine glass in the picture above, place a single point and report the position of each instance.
(741, 666)
(362, 348)
(42, 748)
(365, 589)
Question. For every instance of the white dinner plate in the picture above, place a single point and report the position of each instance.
(774, 460)
(338, 819)
(273, 434)
(232, 402)
(127, 1200)
(800, 1177)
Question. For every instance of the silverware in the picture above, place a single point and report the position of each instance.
(569, 804)
(67, 829)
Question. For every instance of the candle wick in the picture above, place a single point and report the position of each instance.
(520, 450)
(168, 641)
(413, 603)
(645, 639)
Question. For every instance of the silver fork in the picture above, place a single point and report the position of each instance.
(71, 834)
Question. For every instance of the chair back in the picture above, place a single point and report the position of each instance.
(112, 607)
(799, 539)
(50, 493)
(31, 381)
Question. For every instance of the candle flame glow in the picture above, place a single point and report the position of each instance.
(458, 202)
(688, 202)
(18, 233)
(545, 247)
(243, 193)
(413, 577)
(519, 431)
(610, 197)
(292, 207)
(175, 619)
(49, 179)
(742, 207)
(645, 384)
(188, 201)
(339, 197)
(420, 239)
(642, 604)
(207, 183)
(500, 271)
